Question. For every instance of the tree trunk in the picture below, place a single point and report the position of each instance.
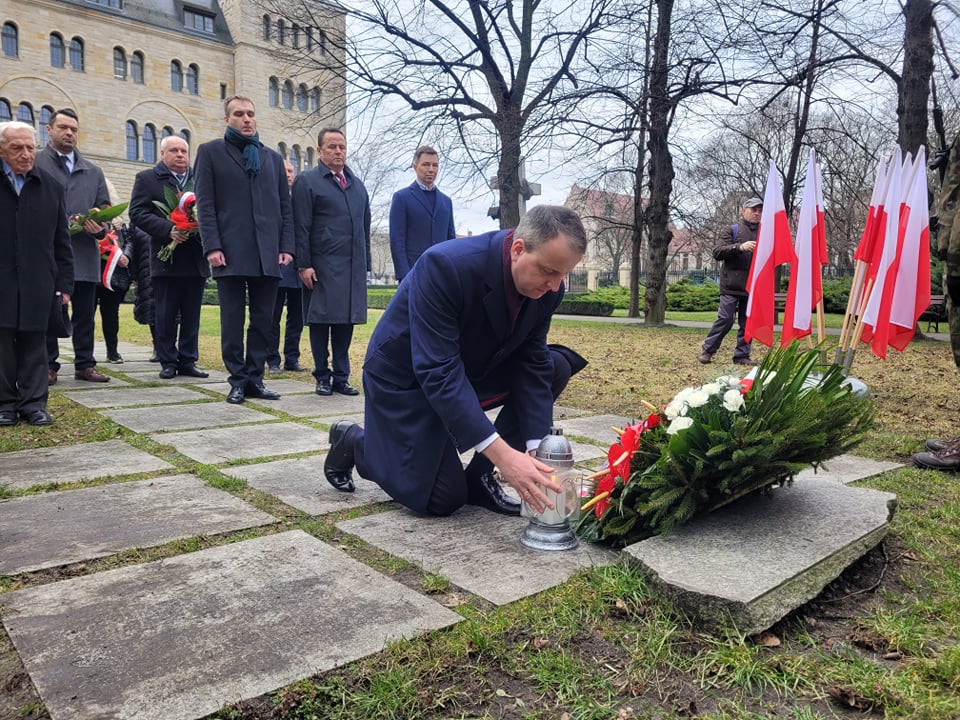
(917, 71)
(661, 171)
(508, 175)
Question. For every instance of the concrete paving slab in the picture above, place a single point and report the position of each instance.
(42, 531)
(595, 427)
(66, 381)
(848, 468)
(165, 418)
(218, 445)
(330, 419)
(282, 386)
(561, 412)
(299, 482)
(153, 375)
(753, 562)
(179, 638)
(476, 549)
(70, 463)
(131, 365)
(105, 397)
(582, 452)
(312, 405)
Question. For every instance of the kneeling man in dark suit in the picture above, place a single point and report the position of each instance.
(466, 332)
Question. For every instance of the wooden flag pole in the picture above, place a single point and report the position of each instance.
(853, 300)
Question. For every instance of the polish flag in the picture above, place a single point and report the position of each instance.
(911, 285)
(868, 240)
(806, 284)
(773, 248)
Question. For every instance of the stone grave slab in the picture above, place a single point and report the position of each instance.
(70, 463)
(476, 549)
(312, 405)
(42, 531)
(848, 468)
(66, 381)
(132, 365)
(299, 482)
(153, 376)
(105, 397)
(218, 445)
(561, 413)
(595, 427)
(179, 638)
(753, 562)
(330, 419)
(166, 418)
(282, 386)
(582, 452)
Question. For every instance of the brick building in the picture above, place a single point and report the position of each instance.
(138, 70)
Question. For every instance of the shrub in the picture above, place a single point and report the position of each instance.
(685, 296)
(577, 306)
(616, 295)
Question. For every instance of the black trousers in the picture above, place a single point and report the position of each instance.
(109, 302)
(23, 370)
(83, 304)
(338, 337)
(292, 298)
(175, 297)
(245, 367)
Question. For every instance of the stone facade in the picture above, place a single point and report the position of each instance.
(229, 55)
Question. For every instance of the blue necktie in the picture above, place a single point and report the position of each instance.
(16, 181)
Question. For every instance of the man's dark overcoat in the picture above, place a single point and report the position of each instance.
(443, 344)
(415, 225)
(36, 259)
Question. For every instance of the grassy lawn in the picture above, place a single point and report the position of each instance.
(883, 641)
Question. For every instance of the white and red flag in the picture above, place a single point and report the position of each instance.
(810, 246)
(774, 248)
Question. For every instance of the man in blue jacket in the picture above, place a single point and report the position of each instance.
(420, 215)
(466, 332)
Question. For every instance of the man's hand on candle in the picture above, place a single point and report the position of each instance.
(524, 473)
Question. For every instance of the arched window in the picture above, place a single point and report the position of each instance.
(322, 41)
(176, 76)
(136, 67)
(11, 40)
(5, 115)
(76, 54)
(295, 35)
(309, 34)
(281, 32)
(295, 158)
(274, 92)
(119, 63)
(266, 27)
(315, 98)
(308, 160)
(57, 53)
(25, 113)
(288, 95)
(133, 141)
(193, 79)
(282, 149)
(149, 143)
(185, 136)
(302, 98)
(46, 112)
(166, 131)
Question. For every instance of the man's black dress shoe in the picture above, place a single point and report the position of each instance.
(294, 367)
(345, 388)
(261, 392)
(168, 373)
(192, 371)
(274, 369)
(485, 491)
(339, 463)
(323, 388)
(38, 417)
(8, 418)
(154, 358)
(236, 396)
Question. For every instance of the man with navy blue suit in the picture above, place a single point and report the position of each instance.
(466, 332)
(420, 215)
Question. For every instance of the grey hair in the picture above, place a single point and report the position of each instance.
(164, 143)
(545, 222)
(15, 125)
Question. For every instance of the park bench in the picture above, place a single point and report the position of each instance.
(779, 306)
(935, 313)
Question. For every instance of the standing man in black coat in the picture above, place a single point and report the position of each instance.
(178, 282)
(735, 251)
(36, 274)
(85, 188)
(246, 226)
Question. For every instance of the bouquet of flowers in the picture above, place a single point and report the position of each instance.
(181, 210)
(718, 442)
(97, 215)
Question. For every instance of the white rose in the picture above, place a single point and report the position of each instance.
(680, 423)
(674, 408)
(698, 398)
(732, 400)
(713, 388)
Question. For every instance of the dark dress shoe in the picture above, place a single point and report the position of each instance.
(274, 369)
(168, 373)
(91, 374)
(345, 388)
(294, 367)
(115, 359)
(339, 461)
(38, 417)
(485, 491)
(192, 371)
(236, 396)
(8, 418)
(154, 358)
(323, 388)
(51, 377)
(261, 392)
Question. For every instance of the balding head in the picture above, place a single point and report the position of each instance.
(175, 154)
